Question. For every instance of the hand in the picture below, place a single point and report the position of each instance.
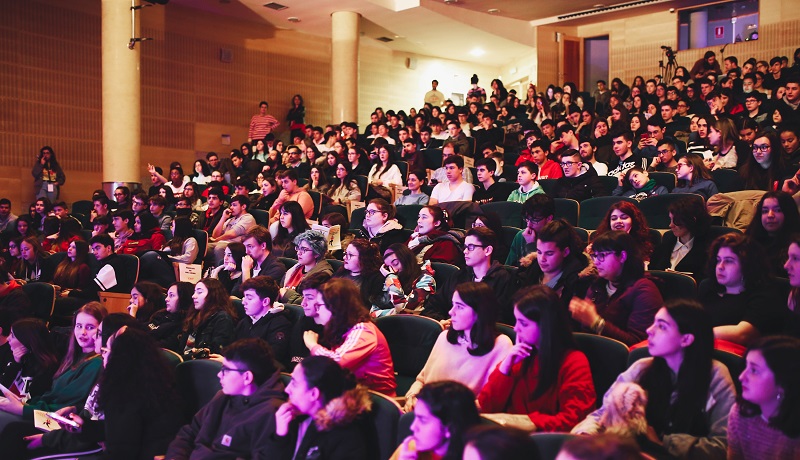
(621, 179)
(655, 162)
(408, 449)
(230, 266)
(34, 441)
(792, 185)
(247, 263)
(132, 309)
(226, 213)
(11, 403)
(411, 401)
(151, 169)
(65, 411)
(529, 235)
(518, 352)
(583, 311)
(283, 417)
(311, 339)
(42, 161)
(215, 357)
(19, 352)
(653, 436)
(446, 323)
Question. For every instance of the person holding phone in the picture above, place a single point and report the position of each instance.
(48, 177)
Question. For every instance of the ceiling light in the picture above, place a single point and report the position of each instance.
(493, 11)
(293, 19)
(477, 52)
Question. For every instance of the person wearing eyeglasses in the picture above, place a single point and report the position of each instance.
(537, 211)
(478, 247)
(310, 247)
(765, 169)
(664, 161)
(694, 177)
(291, 222)
(580, 180)
(234, 422)
(620, 302)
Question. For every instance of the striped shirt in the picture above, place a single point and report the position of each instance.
(260, 126)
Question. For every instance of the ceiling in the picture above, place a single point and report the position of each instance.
(451, 29)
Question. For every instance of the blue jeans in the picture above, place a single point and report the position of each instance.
(43, 192)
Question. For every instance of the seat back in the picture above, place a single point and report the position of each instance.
(607, 359)
(411, 339)
(43, 299)
(293, 312)
(733, 362)
(432, 158)
(727, 180)
(548, 185)
(261, 217)
(567, 209)
(202, 244)
(549, 444)
(407, 215)
(583, 234)
(130, 277)
(510, 213)
(172, 358)
(444, 274)
(508, 331)
(385, 416)
(316, 199)
(654, 208)
(238, 307)
(715, 231)
(336, 264)
(593, 210)
(363, 185)
(403, 167)
(287, 262)
(357, 218)
(509, 233)
(198, 382)
(667, 179)
(675, 285)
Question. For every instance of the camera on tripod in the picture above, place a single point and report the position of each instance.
(669, 52)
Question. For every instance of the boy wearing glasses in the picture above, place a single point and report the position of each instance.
(580, 180)
(234, 423)
(537, 211)
(665, 160)
(265, 317)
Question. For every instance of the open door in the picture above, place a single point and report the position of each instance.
(570, 65)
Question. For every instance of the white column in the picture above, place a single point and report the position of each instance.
(698, 33)
(122, 126)
(344, 66)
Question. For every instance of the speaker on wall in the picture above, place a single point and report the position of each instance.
(411, 63)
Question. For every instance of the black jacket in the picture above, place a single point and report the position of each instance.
(503, 284)
(693, 262)
(585, 186)
(274, 328)
(216, 333)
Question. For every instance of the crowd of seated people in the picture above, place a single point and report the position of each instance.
(489, 252)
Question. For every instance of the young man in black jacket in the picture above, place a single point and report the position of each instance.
(265, 319)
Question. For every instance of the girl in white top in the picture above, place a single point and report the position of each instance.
(470, 349)
(385, 172)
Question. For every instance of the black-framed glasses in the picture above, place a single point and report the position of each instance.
(664, 151)
(601, 256)
(761, 147)
(471, 247)
(301, 250)
(371, 212)
(534, 220)
(224, 370)
(567, 164)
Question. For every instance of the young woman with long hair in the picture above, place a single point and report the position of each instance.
(384, 172)
(351, 338)
(625, 216)
(146, 299)
(292, 222)
(722, 136)
(765, 422)
(407, 284)
(470, 349)
(685, 247)
(30, 374)
(69, 230)
(33, 261)
(380, 224)
(324, 416)
(182, 248)
(544, 378)
(361, 265)
(318, 182)
(689, 393)
(165, 325)
(445, 411)
(73, 273)
(739, 292)
(620, 302)
(209, 326)
(344, 188)
(775, 220)
(694, 177)
(74, 377)
(229, 273)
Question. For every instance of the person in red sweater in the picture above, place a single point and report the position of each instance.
(545, 383)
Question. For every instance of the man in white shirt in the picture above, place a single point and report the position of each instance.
(434, 97)
(456, 188)
(587, 149)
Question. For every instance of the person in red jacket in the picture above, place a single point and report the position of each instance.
(434, 240)
(545, 383)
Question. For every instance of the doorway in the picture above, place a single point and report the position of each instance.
(595, 63)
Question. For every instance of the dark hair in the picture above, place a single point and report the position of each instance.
(183, 231)
(639, 228)
(501, 443)
(185, 292)
(148, 226)
(137, 373)
(755, 176)
(481, 298)
(125, 215)
(485, 235)
(782, 355)
(313, 281)
(217, 300)
(542, 305)
(327, 376)
(699, 170)
(343, 299)
(618, 241)
(154, 299)
(602, 446)
(456, 160)
(284, 238)
(454, 405)
(685, 415)
(539, 205)
(438, 215)
(384, 207)
(255, 354)
(754, 266)
(102, 238)
(560, 232)
(692, 214)
(791, 222)
(67, 272)
(265, 287)
(411, 271)
(34, 335)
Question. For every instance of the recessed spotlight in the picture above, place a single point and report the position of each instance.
(293, 19)
(493, 11)
(599, 5)
(477, 52)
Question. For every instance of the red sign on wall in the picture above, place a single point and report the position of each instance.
(719, 32)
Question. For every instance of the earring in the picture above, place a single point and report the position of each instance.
(780, 396)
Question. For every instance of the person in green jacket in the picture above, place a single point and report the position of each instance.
(73, 380)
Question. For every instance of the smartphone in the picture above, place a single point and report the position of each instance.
(63, 420)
